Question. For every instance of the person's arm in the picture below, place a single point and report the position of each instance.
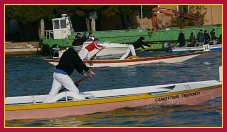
(141, 45)
(98, 46)
(146, 44)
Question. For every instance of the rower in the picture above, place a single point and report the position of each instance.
(69, 61)
(93, 45)
(131, 48)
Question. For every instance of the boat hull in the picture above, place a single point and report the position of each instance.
(199, 48)
(62, 109)
(128, 62)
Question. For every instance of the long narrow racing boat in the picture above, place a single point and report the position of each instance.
(65, 103)
(135, 61)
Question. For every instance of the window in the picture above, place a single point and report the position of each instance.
(56, 24)
(63, 23)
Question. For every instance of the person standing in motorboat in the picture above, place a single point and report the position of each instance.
(207, 37)
(131, 48)
(181, 39)
(220, 39)
(213, 36)
(200, 38)
(85, 53)
(69, 61)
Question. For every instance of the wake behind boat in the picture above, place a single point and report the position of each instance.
(65, 104)
(135, 61)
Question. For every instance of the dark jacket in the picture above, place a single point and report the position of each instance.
(200, 37)
(192, 40)
(78, 41)
(207, 38)
(181, 39)
(70, 60)
(139, 43)
(212, 34)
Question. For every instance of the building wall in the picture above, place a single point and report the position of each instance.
(213, 15)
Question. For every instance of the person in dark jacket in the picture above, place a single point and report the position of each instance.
(131, 48)
(192, 40)
(181, 39)
(78, 40)
(206, 37)
(220, 39)
(213, 36)
(200, 38)
(84, 38)
(69, 61)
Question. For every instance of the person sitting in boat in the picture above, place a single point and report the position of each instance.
(90, 47)
(79, 40)
(192, 40)
(84, 36)
(137, 44)
(69, 61)
(90, 37)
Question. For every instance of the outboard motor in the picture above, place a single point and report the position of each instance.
(167, 47)
(55, 51)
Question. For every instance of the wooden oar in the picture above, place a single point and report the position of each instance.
(82, 79)
(76, 83)
(93, 57)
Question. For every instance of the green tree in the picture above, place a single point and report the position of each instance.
(28, 14)
(32, 14)
(128, 12)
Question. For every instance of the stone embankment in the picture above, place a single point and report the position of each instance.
(22, 48)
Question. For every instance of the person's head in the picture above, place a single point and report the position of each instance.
(77, 48)
(79, 35)
(192, 34)
(90, 35)
(141, 38)
(201, 30)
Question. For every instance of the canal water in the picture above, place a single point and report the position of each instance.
(31, 75)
